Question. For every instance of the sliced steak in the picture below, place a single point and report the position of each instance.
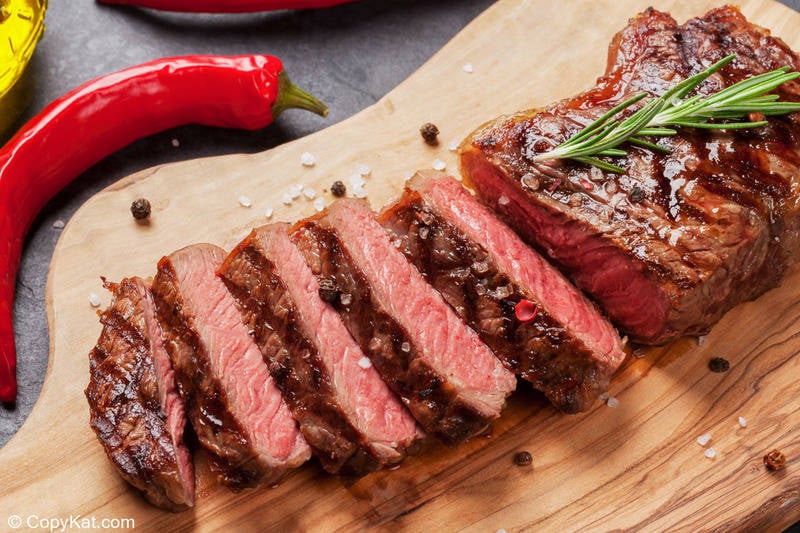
(483, 270)
(450, 381)
(134, 406)
(233, 404)
(669, 246)
(348, 415)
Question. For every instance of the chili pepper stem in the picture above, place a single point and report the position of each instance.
(292, 96)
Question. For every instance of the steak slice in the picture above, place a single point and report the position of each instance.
(483, 270)
(672, 244)
(134, 406)
(233, 404)
(449, 380)
(348, 415)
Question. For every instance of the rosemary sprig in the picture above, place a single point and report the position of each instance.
(604, 135)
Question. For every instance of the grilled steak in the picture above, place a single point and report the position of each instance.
(668, 247)
(233, 404)
(134, 407)
(348, 415)
(450, 381)
(483, 270)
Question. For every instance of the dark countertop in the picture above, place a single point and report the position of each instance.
(349, 56)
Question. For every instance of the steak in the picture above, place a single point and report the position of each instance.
(348, 415)
(232, 402)
(134, 406)
(677, 240)
(450, 381)
(483, 270)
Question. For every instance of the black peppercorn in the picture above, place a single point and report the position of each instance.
(636, 195)
(430, 133)
(328, 290)
(338, 189)
(523, 458)
(140, 208)
(719, 364)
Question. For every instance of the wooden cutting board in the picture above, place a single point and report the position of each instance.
(636, 466)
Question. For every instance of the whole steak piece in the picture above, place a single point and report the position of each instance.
(560, 343)
(677, 240)
(134, 406)
(446, 376)
(232, 402)
(348, 415)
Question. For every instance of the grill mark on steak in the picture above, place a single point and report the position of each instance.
(717, 223)
(347, 414)
(441, 404)
(249, 435)
(133, 405)
(570, 358)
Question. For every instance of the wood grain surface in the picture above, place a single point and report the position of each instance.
(634, 467)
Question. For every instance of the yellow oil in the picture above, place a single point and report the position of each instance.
(21, 27)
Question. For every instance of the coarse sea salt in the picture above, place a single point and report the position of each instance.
(356, 181)
(702, 340)
(364, 363)
(268, 212)
(295, 191)
(286, 199)
(307, 159)
(612, 402)
(244, 201)
(94, 300)
(309, 193)
(453, 146)
(58, 224)
(359, 192)
(176, 143)
(438, 164)
(710, 453)
(742, 422)
(467, 68)
(363, 170)
(319, 204)
(704, 439)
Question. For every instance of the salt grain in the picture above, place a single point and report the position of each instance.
(467, 68)
(704, 439)
(364, 363)
(346, 298)
(287, 199)
(94, 300)
(359, 192)
(742, 422)
(309, 193)
(424, 231)
(295, 191)
(710, 453)
(438, 164)
(503, 200)
(268, 212)
(405, 347)
(612, 402)
(176, 143)
(363, 170)
(244, 201)
(319, 204)
(624, 340)
(701, 340)
(58, 224)
(307, 159)
(453, 146)
(356, 181)
(409, 175)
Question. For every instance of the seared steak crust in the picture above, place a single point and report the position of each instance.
(668, 247)
(294, 360)
(543, 350)
(128, 396)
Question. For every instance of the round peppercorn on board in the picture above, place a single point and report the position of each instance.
(634, 466)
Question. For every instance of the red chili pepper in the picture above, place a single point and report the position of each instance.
(229, 6)
(100, 117)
